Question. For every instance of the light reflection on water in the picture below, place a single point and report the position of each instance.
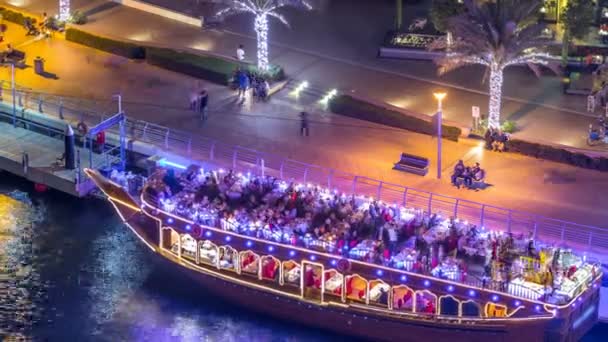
(101, 284)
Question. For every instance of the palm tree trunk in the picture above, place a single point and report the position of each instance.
(496, 80)
(261, 29)
(399, 14)
(565, 46)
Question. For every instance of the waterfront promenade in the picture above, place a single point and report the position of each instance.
(354, 146)
(335, 52)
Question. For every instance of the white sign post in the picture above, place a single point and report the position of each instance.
(476, 115)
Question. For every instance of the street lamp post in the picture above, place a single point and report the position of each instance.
(439, 96)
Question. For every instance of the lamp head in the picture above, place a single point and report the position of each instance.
(439, 95)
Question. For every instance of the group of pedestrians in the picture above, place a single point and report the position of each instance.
(468, 174)
(248, 83)
(496, 140)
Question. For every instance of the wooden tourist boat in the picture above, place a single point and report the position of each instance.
(349, 296)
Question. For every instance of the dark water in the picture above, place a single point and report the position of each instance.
(76, 274)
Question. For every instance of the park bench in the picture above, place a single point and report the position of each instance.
(413, 164)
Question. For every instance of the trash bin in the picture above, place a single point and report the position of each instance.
(39, 66)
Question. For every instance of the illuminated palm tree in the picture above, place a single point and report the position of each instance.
(64, 10)
(497, 34)
(262, 9)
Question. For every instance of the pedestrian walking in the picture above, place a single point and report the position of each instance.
(202, 104)
(304, 124)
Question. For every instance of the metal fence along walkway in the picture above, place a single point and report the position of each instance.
(568, 234)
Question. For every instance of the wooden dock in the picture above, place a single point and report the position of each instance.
(43, 152)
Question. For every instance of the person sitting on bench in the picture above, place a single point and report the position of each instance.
(467, 176)
(458, 171)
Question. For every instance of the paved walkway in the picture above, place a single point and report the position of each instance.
(337, 142)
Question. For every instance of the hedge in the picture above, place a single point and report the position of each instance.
(559, 155)
(210, 68)
(348, 106)
(117, 47)
(15, 17)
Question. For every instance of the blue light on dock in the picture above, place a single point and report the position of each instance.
(228, 238)
(165, 162)
(170, 220)
(313, 257)
(427, 283)
(270, 249)
(472, 293)
(333, 262)
(403, 278)
(249, 243)
(517, 303)
(495, 298)
(379, 273)
(292, 253)
(208, 233)
(450, 288)
(188, 227)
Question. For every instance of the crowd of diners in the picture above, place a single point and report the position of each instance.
(352, 226)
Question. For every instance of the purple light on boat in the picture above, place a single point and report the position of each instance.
(292, 253)
(270, 249)
(580, 299)
(208, 233)
(403, 278)
(188, 227)
(537, 308)
(573, 304)
(333, 262)
(495, 298)
(249, 243)
(427, 283)
(170, 220)
(450, 288)
(379, 273)
(228, 238)
(472, 293)
(313, 257)
(517, 303)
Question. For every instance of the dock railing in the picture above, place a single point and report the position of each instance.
(198, 148)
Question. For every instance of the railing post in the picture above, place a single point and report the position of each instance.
(430, 203)
(509, 221)
(189, 147)
(563, 232)
(482, 218)
(405, 196)
(281, 169)
(145, 134)
(306, 174)
(167, 139)
(535, 231)
(61, 108)
(234, 155)
(379, 191)
(40, 104)
(590, 239)
(212, 151)
(329, 177)
(354, 184)
(20, 99)
(456, 208)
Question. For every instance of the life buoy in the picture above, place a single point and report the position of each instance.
(82, 128)
(343, 265)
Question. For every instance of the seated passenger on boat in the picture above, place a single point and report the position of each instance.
(362, 228)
